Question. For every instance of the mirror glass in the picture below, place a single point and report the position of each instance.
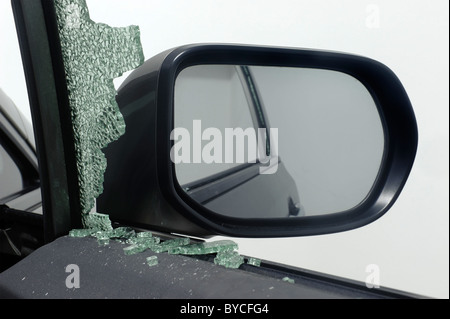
(275, 142)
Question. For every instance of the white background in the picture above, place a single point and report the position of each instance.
(410, 244)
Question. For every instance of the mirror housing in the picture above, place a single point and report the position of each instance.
(140, 184)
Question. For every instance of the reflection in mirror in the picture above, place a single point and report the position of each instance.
(275, 142)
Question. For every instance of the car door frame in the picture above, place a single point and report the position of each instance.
(39, 43)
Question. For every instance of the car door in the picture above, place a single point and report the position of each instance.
(49, 100)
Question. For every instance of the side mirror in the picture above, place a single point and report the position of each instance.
(259, 142)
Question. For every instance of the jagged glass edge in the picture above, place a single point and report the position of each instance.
(87, 83)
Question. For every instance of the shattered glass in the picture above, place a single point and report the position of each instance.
(205, 248)
(145, 234)
(229, 259)
(94, 54)
(254, 262)
(152, 261)
(140, 243)
(289, 280)
(103, 240)
(170, 244)
(97, 221)
(122, 233)
(94, 224)
(101, 228)
(80, 233)
(147, 240)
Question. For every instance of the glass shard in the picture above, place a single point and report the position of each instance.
(205, 248)
(225, 250)
(134, 249)
(80, 233)
(144, 241)
(103, 241)
(93, 55)
(229, 259)
(152, 261)
(254, 262)
(289, 280)
(170, 244)
(97, 221)
(122, 233)
(141, 242)
(145, 234)
(101, 234)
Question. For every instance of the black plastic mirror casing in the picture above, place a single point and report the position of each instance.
(151, 87)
